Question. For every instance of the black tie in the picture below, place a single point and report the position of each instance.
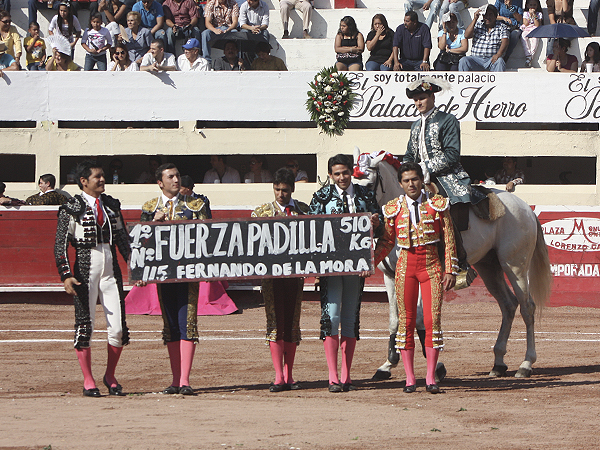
(416, 206)
(345, 200)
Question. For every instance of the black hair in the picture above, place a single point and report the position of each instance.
(261, 159)
(95, 16)
(187, 181)
(59, 20)
(2, 187)
(596, 48)
(412, 16)
(564, 43)
(409, 166)
(159, 172)
(123, 47)
(383, 21)
(263, 47)
(84, 170)
(352, 30)
(491, 8)
(34, 23)
(158, 42)
(49, 178)
(344, 160)
(284, 176)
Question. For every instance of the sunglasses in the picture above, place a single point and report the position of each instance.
(7, 21)
(119, 53)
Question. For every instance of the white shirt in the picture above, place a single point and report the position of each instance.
(349, 197)
(282, 208)
(254, 17)
(166, 199)
(92, 202)
(199, 65)
(230, 176)
(97, 39)
(64, 28)
(411, 208)
(133, 67)
(168, 60)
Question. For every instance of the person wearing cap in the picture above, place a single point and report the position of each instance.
(452, 44)
(181, 17)
(7, 62)
(435, 145)
(254, 17)
(265, 61)
(190, 60)
(490, 42)
(412, 44)
(157, 60)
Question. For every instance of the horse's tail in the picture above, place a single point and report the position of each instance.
(540, 275)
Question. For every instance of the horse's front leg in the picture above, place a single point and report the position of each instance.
(384, 372)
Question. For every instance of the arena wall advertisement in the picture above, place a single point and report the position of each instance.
(253, 96)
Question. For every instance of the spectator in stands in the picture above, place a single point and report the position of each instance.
(511, 13)
(490, 41)
(453, 6)
(509, 174)
(47, 194)
(190, 60)
(305, 7)
(152, 17)
(560, 60)
(532, 18)
(300, 175)
(259, 172)
(149, 176)
(231, 60)
(5, 5)
(157, 60)
(115, 12)
(121, 61)
(7, 62)
(91, 5)
(265, 61)
(96, 41)
(35, 5)
(412, 44)
(560, 11)
(35, 48)
(220, 16)
(10, 36)
(433, 6)
(452, 43)
(254, 17)
(380, 42)
(66, 24)
(137, 39)
(8, 201)
(349, 45)
(221, 172)
(592, 18)
(592, 56)
(181, 17)
(61, 59)
(115, 172)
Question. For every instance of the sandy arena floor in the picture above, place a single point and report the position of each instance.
(42, 405)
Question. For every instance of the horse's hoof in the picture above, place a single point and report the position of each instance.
(523, 373)
(498, 371)
(381, 375)
(440, 372)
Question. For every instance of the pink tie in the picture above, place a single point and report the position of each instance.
(99, 213)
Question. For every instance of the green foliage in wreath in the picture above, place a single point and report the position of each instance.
(330, 101)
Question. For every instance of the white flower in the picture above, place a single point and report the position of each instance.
(345, 92)
(328, 103)
(321, 117)
(319, 78)
(332, 126)
(327, 88)
(335, 74)
(338, 97)
(341, 113)
(328, 110)
(335, 108)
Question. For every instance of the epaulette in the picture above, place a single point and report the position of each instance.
(193, 204)
(112, 203)
(151, 205)
(392, 208)
(265, 210)
(324, 194)
(439, 203)
(75, 206)
(302, 207)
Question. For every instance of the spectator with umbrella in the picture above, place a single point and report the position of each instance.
(560, 60)
(231, 60)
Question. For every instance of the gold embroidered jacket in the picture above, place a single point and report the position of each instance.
(187, 208)
(272, 210)
(434, 225)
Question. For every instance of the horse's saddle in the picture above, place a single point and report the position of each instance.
(490, 208)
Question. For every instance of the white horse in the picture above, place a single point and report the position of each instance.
(512, 245)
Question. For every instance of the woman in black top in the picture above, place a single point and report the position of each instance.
(380, 42)
(349, 46)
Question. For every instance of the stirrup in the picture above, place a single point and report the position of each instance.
(465, 278)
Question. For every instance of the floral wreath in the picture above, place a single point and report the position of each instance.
(330, 101)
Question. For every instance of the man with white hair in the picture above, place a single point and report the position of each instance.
(190, 60)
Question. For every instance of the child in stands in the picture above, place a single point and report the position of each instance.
(67, 24)
(532, 18)
(591, 56)
(96, 41)
(35, 48)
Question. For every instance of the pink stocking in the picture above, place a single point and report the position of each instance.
(347, 345)
(114, 353)
(277, 352)
(408, 357)
(289, 353)
(331, 344)
(187, 349)
(432, 358)
(175, 358)
(84, 355)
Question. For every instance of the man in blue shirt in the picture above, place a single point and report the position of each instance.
(412, 44)
(511, 13)
(490, 41)
(152, 17)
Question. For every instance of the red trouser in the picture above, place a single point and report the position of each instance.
(419, 265)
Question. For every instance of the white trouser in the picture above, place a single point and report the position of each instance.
(285, 6)
(103, 286)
